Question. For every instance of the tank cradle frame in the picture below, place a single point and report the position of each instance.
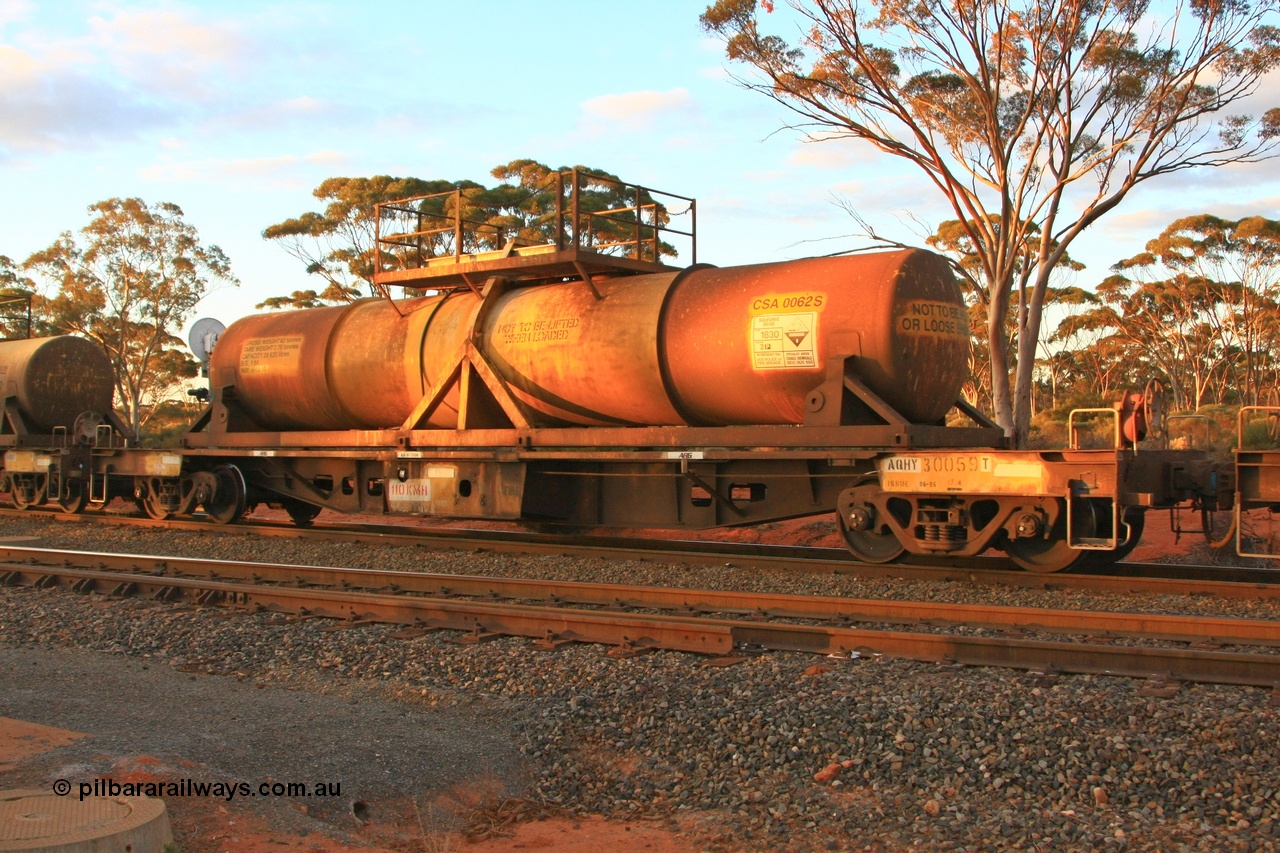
(1085, 505)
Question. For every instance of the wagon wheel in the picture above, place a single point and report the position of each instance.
(301, 513)
(39, 495)
(1135, 518)
(151, 504)
(1043, 554)
(74, 497)
(864, 535)
(230, 500)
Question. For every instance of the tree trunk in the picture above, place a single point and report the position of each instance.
(1022, 386)
(1029, 314)
(998, 344)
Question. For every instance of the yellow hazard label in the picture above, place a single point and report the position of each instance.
(784, 341)
(937, 319)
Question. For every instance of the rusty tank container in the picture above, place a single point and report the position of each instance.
(704, 346)
(55, 380)
(354, 366)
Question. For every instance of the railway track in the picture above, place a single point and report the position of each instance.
(726, 624)
(1172, 579)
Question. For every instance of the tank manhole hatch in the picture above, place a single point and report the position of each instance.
(33, 820)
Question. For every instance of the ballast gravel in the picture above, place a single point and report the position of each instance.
(781, 751)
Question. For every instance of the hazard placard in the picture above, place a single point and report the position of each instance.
(784, 341)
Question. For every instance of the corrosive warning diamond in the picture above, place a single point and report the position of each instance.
(796, 334)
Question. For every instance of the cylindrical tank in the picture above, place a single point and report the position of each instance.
(901, 313)
(705, 346)
(351, 367)
(54, 380)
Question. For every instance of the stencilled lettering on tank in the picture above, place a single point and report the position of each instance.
(933, 318)
(784, 341)
(270, 355)
(557, 330)
(778, 303)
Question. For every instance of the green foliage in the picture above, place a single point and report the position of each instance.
(128, 282)
(1260, 435)
(1211, 428)
(338, 244)
(1049, 426)
(16, 301)
(1199, 309)
(167, 420)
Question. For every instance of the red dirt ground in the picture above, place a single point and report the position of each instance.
(207, 825)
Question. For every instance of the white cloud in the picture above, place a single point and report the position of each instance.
(278, 113)
(14, 10)
(834, 153)
(47, 106)
(128, 73)
(168, 50)
(1142, 225)
(642, 110)
(288, 170)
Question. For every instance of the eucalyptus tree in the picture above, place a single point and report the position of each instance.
(338, 244)
(17, 301)
(1032, 119)
(1175, 322)
(128, 281)
(1242, 258)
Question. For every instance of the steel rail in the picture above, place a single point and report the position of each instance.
(555, 625)
(1238, 582)
(839, 610)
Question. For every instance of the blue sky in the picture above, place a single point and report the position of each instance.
(235, 111)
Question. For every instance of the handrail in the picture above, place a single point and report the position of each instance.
(1190, 416)
(1273, 412)
(1073, 436)
(594, 231)
(1256, 461)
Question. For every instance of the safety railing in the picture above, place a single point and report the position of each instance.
(1073, 430)
(1189, 419)
(1257, 474)
(1269, 415)
(15, 313)
(588, 213)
